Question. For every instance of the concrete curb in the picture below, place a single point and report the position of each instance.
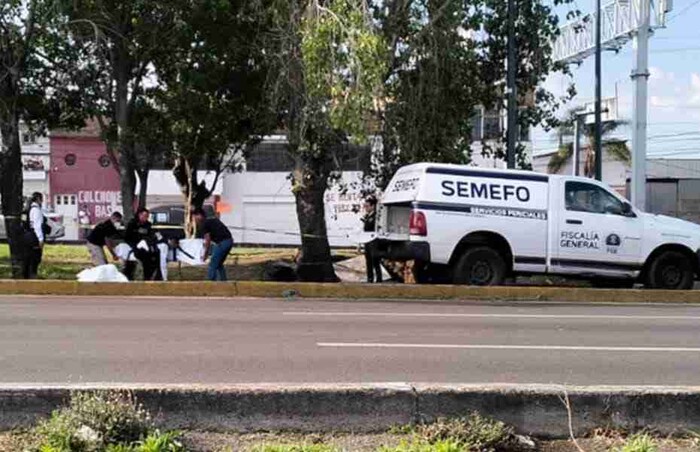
(535, 410)
(344, 291)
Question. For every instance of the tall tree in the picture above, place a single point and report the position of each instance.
(211, 90)
(327, 63)
(447, 59)
(125, 37)
(38, 87)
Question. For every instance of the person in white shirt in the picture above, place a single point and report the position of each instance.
(33, 237)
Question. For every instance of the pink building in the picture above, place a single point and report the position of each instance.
(84, 184)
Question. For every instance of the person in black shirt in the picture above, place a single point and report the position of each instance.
(372, 261)
(140, 237)
(100, 236)
(214, 231)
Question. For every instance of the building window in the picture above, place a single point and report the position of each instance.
(269, 157)
(58, 200)
(28, 138)
(492, 125)
(476, 123)
(104, 161)
(70, 159)
(72, 200)
(274, 157)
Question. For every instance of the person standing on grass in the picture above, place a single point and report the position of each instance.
(214, 231)
(372, 260)
(102, 235)
(35, 230)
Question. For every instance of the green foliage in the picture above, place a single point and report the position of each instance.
(614, 147)
(161, 442)
(639, 442)
(344, 63)
(558, 160)
(294, 448)
(92, 421)
(417, 445)
(472, 433)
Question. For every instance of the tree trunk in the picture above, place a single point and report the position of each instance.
(310, 184)
(127, 168)
(11, 187)
(194, 192)
(143, 187)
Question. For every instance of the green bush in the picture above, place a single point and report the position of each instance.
(294, 448)
(92, 422)
(639, 442)
(418, 445)
(161, 442)
(476, 433)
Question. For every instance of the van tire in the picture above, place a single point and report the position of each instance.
(480, 266)
(670, 270)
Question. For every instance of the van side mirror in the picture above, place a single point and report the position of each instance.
(627, 209)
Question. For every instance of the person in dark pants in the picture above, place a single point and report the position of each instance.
(101, 236)
(372, 260)
(35, 229)
(214, 231)
(140, 237)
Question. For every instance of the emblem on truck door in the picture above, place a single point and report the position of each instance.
(612, 242)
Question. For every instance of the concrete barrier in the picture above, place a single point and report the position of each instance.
(535, 410)
(344, 291)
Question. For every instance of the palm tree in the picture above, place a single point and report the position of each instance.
(614, 147)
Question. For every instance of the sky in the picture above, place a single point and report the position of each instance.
(673, 90)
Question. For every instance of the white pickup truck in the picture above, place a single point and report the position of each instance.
(480, 226)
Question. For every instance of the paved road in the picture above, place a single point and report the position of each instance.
(142, 340)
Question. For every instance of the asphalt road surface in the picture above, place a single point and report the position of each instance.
(49, 340)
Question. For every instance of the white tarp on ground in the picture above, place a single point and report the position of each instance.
(354, 270)
(191, 251)
(102, 273)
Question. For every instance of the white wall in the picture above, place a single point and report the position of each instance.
(265, 201)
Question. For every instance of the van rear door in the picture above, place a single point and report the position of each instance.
(397, 203)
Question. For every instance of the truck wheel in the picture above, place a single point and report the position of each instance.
(670, 270)
(480, 266)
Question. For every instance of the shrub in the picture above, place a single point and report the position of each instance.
(417, 445)
(475, 432)
(92, 421)
(639, 442)
(294, 448)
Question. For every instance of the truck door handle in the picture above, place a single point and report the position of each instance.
(574, 222)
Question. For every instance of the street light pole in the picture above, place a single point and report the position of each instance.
(511, 89)
(598, 123)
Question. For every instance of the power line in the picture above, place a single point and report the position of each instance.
(679, 13)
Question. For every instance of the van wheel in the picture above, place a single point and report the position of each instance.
(480, 266)
(672, 271)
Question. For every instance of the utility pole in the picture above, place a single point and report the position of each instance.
(511, 89)
(577, 144)
(598, 123)
(640, 74)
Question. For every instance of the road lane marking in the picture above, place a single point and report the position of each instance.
(508, 347)
(492, 316)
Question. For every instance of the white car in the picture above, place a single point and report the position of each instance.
(480, 226)
(55, 221)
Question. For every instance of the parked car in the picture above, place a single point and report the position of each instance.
(169, 220)
(481, 226)
(54, 220)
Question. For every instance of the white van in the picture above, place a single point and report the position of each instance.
(479, 227)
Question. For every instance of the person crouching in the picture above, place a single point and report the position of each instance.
(140, 237)
(103, 235)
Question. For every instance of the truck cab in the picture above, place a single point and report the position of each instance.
(480, 226)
